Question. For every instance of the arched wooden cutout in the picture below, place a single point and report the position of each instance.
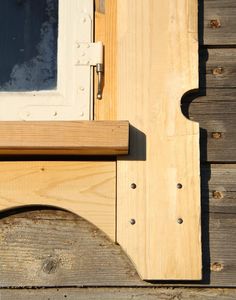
(49, 248)
(158, 196)
(86, 188)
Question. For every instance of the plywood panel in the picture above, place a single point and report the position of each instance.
(84, 188)
(159, 223)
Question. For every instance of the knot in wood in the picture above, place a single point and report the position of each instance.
(50, 265)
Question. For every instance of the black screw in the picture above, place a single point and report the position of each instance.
(179, 186)
(133, 186)
(180, 221)
(132, 221)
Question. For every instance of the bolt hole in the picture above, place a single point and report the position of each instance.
(133, 186)
(179, 186)
(132, 221)
(180, 221)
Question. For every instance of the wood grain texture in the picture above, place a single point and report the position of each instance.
(48, 248)
(56, 248)
(105, 31)
(157, 64)
(215, 110)
(119, 294)
(87, 189)
(224, 12)
(218, 188)
(74, 138)
(218, 68)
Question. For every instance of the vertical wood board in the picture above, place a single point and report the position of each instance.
(157, 63)
(105, 31)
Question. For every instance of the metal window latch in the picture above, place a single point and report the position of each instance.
(91, 54)
(99, 70)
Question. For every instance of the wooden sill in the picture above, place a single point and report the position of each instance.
(64, 137)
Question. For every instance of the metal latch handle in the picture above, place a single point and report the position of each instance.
(99, 70)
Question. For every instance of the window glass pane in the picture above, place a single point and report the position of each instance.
(28, 45)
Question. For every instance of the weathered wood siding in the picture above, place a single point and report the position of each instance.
(47, 248)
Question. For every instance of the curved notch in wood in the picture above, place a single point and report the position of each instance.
(158, 223)
(84, 188)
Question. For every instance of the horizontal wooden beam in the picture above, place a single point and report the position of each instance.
(64, 138)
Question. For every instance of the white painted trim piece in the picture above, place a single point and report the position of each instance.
(73, 98)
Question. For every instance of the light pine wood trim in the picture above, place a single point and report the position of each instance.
(86, 188)
(105, 31)
(157, 63)
(80, 138)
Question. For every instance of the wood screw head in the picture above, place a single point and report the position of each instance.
(216, 135)
(217, 195)
(133, 186)
(215, 24)
(217, 71)
(217, 267)
(179, 186)
(180, 221)
(132, 221)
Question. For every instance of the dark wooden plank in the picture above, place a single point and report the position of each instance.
(55, 248)
(219, 22)
(119, 294)
(219, 248)
(214, 107)
(218, 188)
(218, 67)
(216, 114)
(50, 248)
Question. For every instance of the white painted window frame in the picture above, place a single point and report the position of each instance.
(73, 97)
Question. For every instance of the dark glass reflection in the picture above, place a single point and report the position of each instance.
(28, 45)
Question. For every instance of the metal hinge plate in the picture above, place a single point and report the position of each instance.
(91, 54)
